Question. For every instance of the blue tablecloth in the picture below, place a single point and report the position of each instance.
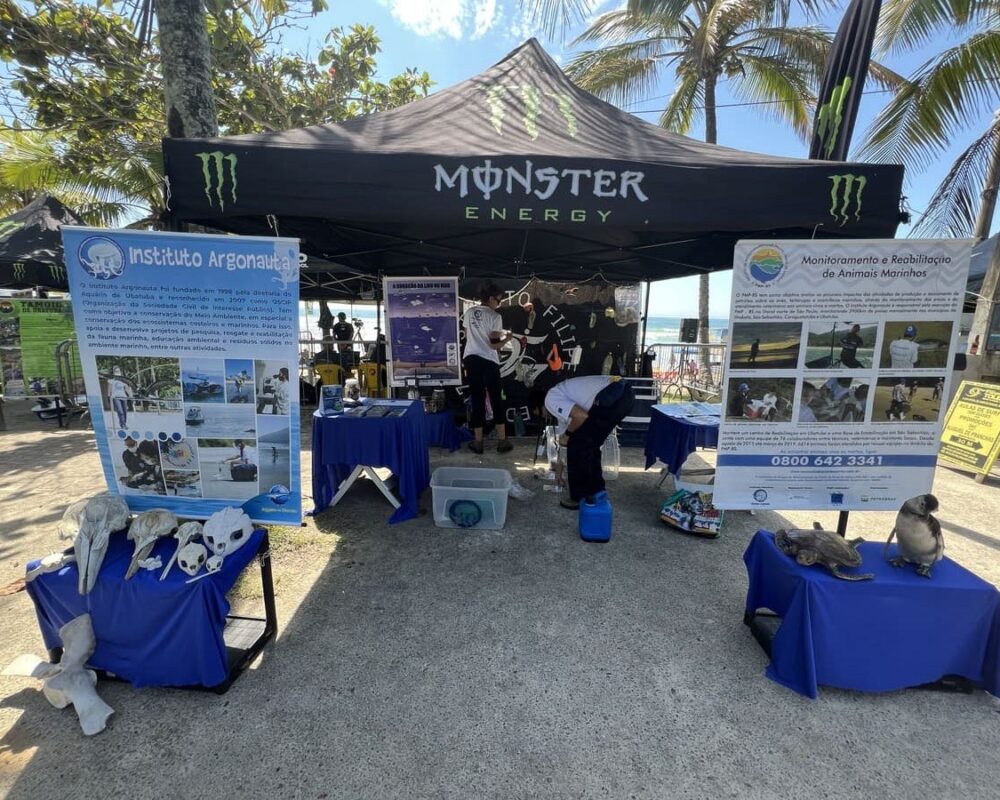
(672, 439)
(149, 632)
(441, 431)
(341, 443)
(895, 631)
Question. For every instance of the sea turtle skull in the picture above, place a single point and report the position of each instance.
(191, 558)
(226, 531)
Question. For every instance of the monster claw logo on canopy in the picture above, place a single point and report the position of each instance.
(765, 264)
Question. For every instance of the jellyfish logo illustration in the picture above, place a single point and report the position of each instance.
(102, 258)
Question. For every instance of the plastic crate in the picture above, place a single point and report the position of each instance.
(486, 489)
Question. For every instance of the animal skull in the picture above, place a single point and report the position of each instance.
(101, 515)
(185, 534)
(191, 557)
(227, 530)
(145, 530)
(214, 563)
(69, 525)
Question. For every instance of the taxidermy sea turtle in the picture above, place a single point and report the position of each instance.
(818, 546)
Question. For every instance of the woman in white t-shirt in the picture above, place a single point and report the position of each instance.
(484, 337)
(119, 392)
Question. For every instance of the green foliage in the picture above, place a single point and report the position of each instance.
(84, 101)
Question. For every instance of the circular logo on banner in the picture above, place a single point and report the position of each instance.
(760, 495)
(279, 494)
(101, 257)
(6, 307)
(765, 264)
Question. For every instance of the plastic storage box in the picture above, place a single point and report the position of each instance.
(610, 452)
(469, 497)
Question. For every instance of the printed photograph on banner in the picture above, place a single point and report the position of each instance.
(834, 398)
(136, 462)
(179, 453)
(141, 393)
(239, 381)
(273, 435)
(182, 482)
(229, 468)
(218, 421)
(836, 344)
(13, 375)
(765, 345)
(10, 325)
(916, 344)
(203, 380)
(760, 399)
(272, 381)
(906, 398)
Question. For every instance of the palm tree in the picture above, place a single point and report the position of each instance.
(745, 44)
(943, 99)
(127, 191)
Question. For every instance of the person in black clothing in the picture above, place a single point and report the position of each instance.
(343, 332)
(849, 347)
(325, 323)
(754, 349)
(738, 401)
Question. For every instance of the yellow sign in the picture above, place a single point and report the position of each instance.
(971, 436)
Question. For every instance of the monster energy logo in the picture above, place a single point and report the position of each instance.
(846, 189)
(8, 226)
(532, 99)
(213, 170)
(18, 271)
(57, 272)
(831, 114)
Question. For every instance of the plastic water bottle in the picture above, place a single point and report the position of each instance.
(595, 520)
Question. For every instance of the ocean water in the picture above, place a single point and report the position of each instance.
(659, 329)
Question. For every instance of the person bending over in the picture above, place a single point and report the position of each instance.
(587, 410)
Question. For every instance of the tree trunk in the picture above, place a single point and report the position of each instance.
(990, 291)
(711, 136)
(187, 69)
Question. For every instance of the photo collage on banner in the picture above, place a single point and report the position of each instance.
(838, 371)
(35, 336)
(190, 370)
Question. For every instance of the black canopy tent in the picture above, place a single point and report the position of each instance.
(511, 174)
(31, 249)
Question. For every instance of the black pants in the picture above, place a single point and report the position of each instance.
(484, 376)
(585, 473)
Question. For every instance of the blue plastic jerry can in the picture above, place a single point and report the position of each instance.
(595, 520)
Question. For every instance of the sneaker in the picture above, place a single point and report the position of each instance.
(476, 447)
(572, 505)
(505, 446)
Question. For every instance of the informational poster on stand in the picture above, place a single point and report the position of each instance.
(840, 360)
(971, 436)
(189, 350)
(36, 342)
(422, 331)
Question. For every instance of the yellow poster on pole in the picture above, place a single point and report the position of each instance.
(971, 436)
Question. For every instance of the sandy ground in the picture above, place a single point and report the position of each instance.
(418, 662)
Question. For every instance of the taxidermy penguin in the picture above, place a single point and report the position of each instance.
(918, 534)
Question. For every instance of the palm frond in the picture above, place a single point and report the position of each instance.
(947, 94)
(620, 26)
(907, 24)
(954, 206)
(805, 48)
(773, 78)
(686, 104)
(618, 73)
(556, 17)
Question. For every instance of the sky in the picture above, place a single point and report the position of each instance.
(455, 39)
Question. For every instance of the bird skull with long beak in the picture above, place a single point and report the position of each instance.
(145, 530)
(102, 515)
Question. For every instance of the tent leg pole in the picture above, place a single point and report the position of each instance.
(842, 523)
(378, 334)
(645, 318)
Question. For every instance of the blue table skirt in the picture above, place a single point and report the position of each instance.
(672, 439)
(341, 443)
(150, 633)
(895, 631)
(441, 431)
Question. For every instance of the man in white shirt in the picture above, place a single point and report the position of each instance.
(282, 393)
(587, 410)
(904, 351)
(897, 408)
(484, 337)
(119, 393)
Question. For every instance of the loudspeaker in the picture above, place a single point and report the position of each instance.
(689, 331)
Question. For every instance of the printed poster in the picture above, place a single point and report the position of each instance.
(422, 331)
(189, 350)
(32, 333)
(839, 365)
(971, 437)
